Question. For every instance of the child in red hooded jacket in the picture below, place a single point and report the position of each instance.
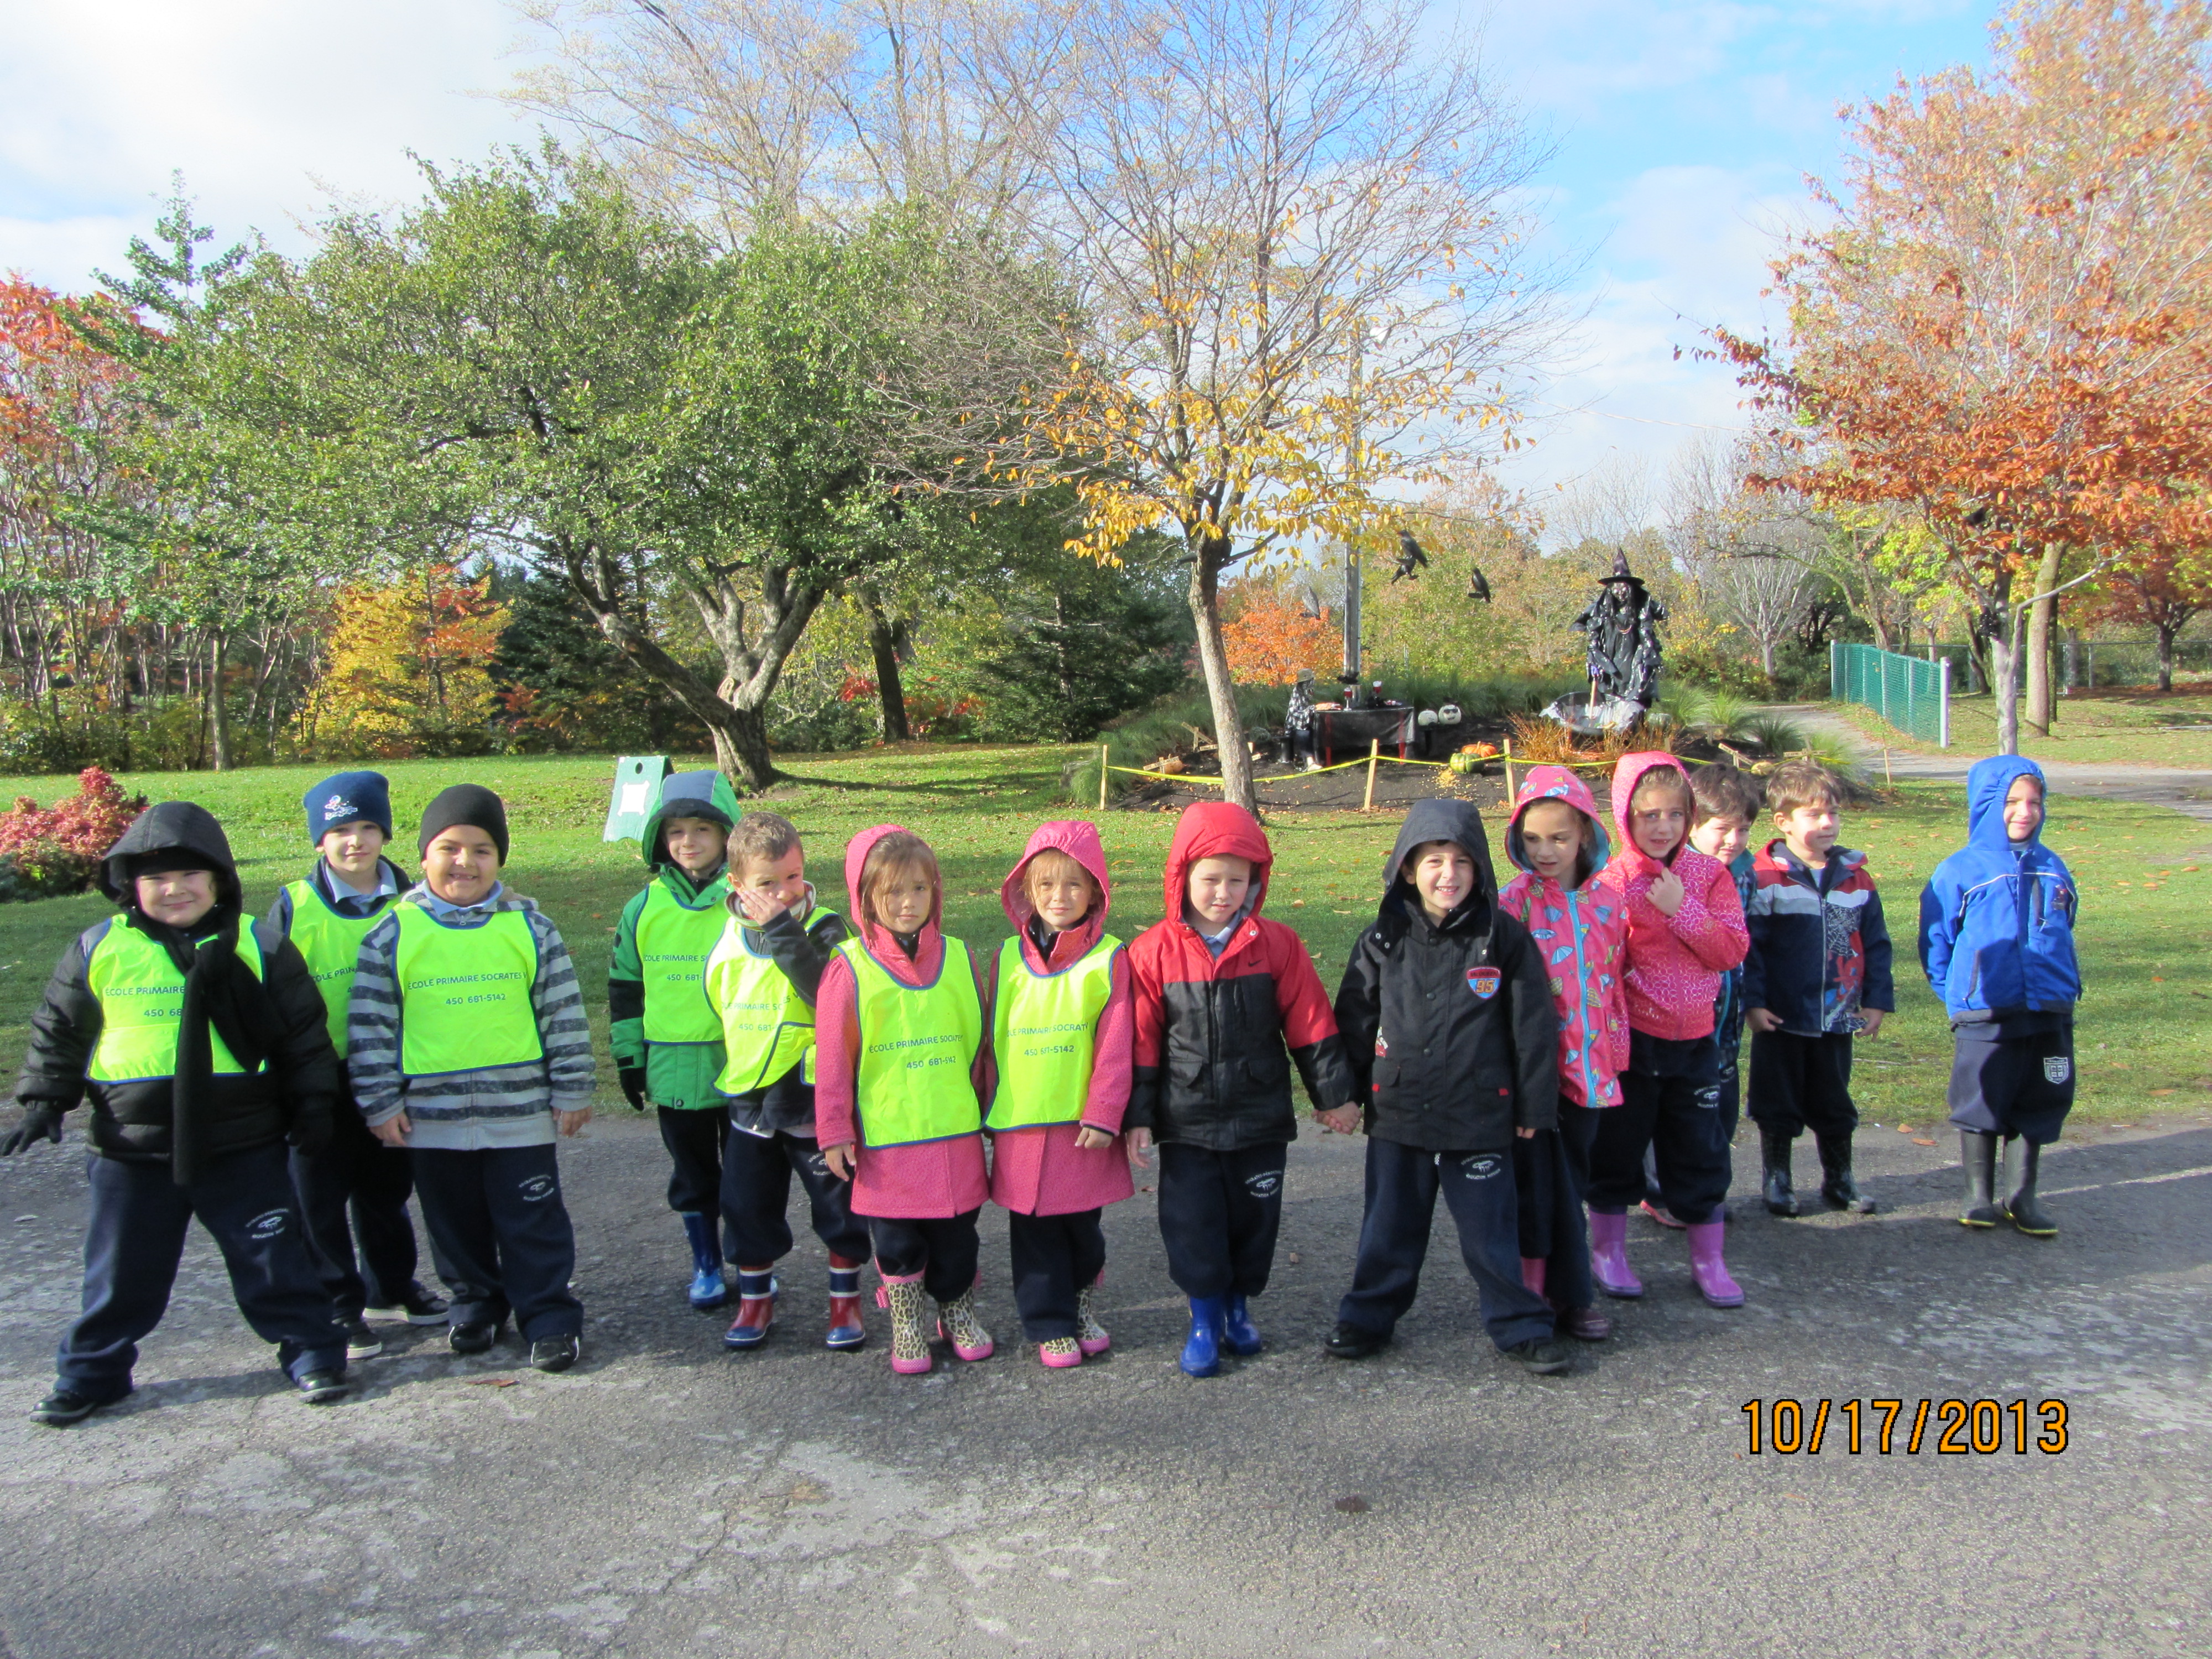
(1062, 1024)
(1221, 993)
(1685, 929)
(901, 1019)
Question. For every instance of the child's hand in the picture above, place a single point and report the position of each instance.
(1871, 1022)
(392, 1132)
(1340, 1120)
(1763, 1019)
(1139, 1142)
(572, 1123)
(1088, 1139)
(1665, 892)
(838, 1160)
(1526, 1134)
(761, 909)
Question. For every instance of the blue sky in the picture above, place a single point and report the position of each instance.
(1684, 131)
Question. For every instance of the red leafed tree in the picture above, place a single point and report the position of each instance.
(1269, 638)
(2159, 589)
(2002, 327)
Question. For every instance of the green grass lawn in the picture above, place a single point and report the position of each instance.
(2109, 726)
(2146, 874)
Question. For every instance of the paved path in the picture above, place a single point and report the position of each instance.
(668, 1499)
(2185, 789)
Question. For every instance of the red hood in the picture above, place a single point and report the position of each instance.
(1627, 773)
(1211, 830)
(1079, 840)
(1555, 783)
(877, 939)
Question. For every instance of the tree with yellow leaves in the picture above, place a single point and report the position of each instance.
(409, 667)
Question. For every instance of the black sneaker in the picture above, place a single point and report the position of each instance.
(473, 1338)
(65, 1406)
(556, 1354)
(1353, 1342)
(1540, 1356)
(361, 1343)
(417, 1305)
(322, 1388)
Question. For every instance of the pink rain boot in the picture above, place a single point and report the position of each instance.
(1609, 1256)
(1532, 1272)
(1707, 1268)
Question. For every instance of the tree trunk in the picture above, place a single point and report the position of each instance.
(2042, 707)
(1213, 658)
(741, 748)
(2004, 626)
(890, 688)
(2166, 633)
(218, 705)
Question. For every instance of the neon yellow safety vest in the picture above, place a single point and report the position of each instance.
(142, 1003)
(1043, 1030)
(918, 1049)
(674, 940)
(465, 994)
(331, 942)
(767, 1027)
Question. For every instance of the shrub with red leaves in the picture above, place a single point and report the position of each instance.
(45, 850)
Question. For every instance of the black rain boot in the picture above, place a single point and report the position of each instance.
(2021, 1157)
(1775, 1188)
(1977, 1156)
(1838, 1190)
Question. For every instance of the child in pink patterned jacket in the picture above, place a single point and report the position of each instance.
(1685, 929)
(1557, 843)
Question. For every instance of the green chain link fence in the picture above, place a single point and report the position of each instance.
(1912, 695)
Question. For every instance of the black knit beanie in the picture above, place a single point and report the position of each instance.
(471, 804)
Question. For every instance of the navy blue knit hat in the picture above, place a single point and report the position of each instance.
(344, 797)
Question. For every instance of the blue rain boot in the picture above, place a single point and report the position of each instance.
(1238, 1334)
(707, 1289)
(1201, 1349)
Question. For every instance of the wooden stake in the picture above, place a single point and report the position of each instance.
(1886, 777)
(1374, 749)
(1509, 769)
(1102, 752)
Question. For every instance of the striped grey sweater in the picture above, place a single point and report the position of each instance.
(470, 1111)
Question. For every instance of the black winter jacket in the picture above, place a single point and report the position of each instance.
(1450, 1029)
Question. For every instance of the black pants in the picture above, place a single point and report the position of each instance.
(1219, 1213)
(1800, 1082)
(497, 1216)
(693, 1139)
(357, 1188)
(941, 1248)
(135, 1237)
(1670, 1102)
(1551, 1179)
(757, 1172)
(2008, 1086)
(1402, 1182)
(1055, 1258)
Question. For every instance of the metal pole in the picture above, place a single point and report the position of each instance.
(1354, 670)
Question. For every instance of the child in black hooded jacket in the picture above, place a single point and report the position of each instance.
(1448, 1022)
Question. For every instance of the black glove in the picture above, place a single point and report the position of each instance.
(632, 1078)
(42, 1121)
(313, 1123)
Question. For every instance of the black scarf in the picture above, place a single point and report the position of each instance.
(221, 993)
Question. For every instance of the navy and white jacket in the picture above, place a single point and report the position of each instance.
(1996, 919)
(1819, 948)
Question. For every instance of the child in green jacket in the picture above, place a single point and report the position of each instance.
(667, 1038)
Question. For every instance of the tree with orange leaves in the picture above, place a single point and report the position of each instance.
(2002, 328)
(2160, 589)
(1269, 636)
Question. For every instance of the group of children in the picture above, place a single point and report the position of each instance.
(1544, 1055)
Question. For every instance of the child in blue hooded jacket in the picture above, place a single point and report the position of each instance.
(1997, 942)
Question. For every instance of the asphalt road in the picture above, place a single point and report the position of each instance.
(667, 1499)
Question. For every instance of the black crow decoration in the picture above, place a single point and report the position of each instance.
(1477, 588)
(1410, 559)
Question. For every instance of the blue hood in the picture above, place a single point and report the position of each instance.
(1987, 786)
(1996, 918)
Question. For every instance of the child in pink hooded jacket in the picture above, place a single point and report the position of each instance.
(901, 1065)
(1063, 1033)
(1578, 924)
(1685, 929)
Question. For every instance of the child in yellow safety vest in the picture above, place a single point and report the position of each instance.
(761, 980)
(1063, 1036)
(900, 1064)
(667, 1036)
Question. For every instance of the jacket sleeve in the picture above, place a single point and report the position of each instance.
(1939, 908)
(626, 989)
(301, 1047)
(801, 952)
(1879, 991)
(1113, 1044)
(373, 1025)
(279, 921)
(836, 1034)
(1359, 1014)
(562, 1030)
(1535, 1027)
(1309, 1026)
(1147, 1036)
(1711, 923)
(64, 1033)
(1755, 922)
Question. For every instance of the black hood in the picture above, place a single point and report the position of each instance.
(1441, 820)
(171, 827)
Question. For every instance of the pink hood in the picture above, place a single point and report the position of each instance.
(1079, 840)
(929, 948)
(1556, 783)
(1628, 771)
